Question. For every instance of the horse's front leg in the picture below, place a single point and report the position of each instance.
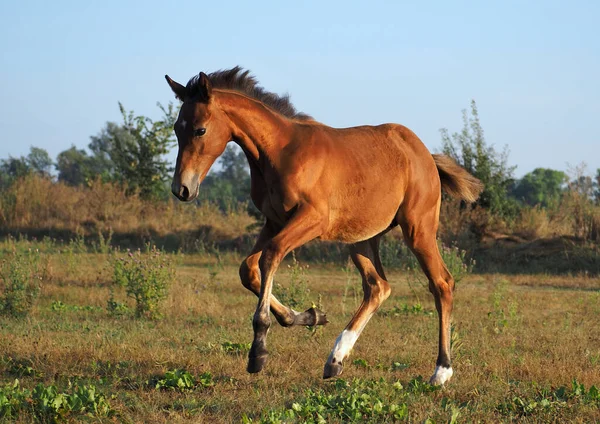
(250, 276)
(305, 225)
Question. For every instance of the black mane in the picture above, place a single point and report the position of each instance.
(240, 80)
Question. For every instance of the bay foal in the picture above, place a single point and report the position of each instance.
(310, 180)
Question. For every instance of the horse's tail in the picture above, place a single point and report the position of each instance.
(456, 181)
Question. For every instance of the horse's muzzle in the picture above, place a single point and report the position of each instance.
(183, 192)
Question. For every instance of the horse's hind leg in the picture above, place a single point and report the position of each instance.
(420, 235)
(250, 276)
(365, 256)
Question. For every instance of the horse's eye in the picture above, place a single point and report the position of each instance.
(199, 132)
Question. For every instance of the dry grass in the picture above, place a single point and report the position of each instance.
(38, 206)
(516, 335)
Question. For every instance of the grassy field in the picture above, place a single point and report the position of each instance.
(526, 349)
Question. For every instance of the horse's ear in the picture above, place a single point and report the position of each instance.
(205, 86)
(177, 88)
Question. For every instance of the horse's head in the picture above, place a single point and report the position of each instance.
(202, 134)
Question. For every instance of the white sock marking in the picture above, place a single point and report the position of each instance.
(441, 375)
(343, 345)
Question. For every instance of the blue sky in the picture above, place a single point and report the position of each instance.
(531, 66)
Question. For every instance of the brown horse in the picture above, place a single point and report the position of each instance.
(310, 180)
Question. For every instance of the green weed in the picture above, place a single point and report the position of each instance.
(103, 245)
(59, 306)
(356, 401)
(352, 284)
(297, 293)
(21, 274)
(236, 348)
(182, 380)
(48, 404)
(146, 279)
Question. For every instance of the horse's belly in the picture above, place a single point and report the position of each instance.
(352, 228)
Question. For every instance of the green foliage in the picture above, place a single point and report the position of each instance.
(132, 153)
(542, 186)
(236, 348)
(182, 380)
(21, 273)
(59, 306)
(37, 161)
(548, 400)
(597, 187)
(116, 308)
(361, 363)
(75, 167)
(471, 151)
(420, 385)
(48, 404)
(457, 261)
(228, 184)
(357, 401)
(297, 292)
(104, 242)
(20, 367)
(146, 278)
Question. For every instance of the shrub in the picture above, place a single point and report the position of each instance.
(21, 274)
(146, 279)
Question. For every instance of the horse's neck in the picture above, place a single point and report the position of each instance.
(260, 132)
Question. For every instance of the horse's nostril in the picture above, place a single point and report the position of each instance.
(184, 192)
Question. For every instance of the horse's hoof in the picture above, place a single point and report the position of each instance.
(311, 317)
(332, 369)
(256, 363)
(318, 317)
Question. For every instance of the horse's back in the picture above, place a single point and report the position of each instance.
(369, 174)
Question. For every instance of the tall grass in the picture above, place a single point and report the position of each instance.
(103, 214)
(38, 206)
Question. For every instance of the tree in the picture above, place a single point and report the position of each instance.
(540, 187)
(132, 153)
(597, 192)
(37, 161)
(229, 184)
(74, 166)
(471, 151)
(581, 182)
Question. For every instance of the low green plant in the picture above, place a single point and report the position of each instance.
(59, 306)
(399, 366)
(20, 367)
(146, 278)
(48, 404)
(352, 285)
(357, 401)
(297, 292)
(498, 317)
(21, 275)
(457, 261)
(104, 242)
(182, 380)
(420, 385)
(235, 348)
(116, 308)
(547, 400)
(361, 363)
